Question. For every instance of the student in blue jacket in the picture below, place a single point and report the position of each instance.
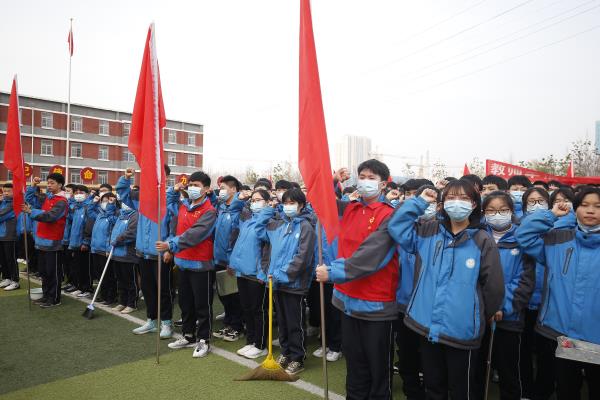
(517, 185)
(571, 300)
(564, 195)
(8, 240)
(78, 243)
(292, 237)
(459, 286)
(246, 260)
(519, 282)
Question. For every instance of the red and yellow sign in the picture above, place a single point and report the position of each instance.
(28, 170)
(183, 179)
(88, 174)
(57, 169)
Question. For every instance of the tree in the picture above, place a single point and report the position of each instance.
(407, 172)
(251, 176)
(549, 164)
(586, 161)
(438, 172)
(477, 167)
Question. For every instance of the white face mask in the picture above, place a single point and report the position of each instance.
(67, 196)
(279, 195)
(291, 210)
(195, 192)
(104, 205)
(79, 197)
(368, 188)
(257, 206)
(223, 195)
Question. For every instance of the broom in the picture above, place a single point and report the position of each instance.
(269, 370)
(89, 310)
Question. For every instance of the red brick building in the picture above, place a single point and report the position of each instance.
(97, 140)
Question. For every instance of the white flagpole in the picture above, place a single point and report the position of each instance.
(69, 104)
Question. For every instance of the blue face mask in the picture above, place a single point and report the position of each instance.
(223, 195)
(290, 210)
(588, 229)
(430, 211)
(257, 206)
(368, 188)
(498, 222)
(517, 196)
(194, 192)
(458, 210)
(395, 203)
(535, 207)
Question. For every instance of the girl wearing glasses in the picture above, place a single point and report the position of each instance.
(458, 285)
(519, 282)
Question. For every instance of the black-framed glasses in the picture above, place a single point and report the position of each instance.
(491, 213)
(541, 202)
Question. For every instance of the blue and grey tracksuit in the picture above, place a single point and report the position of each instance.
(247, 254)
(123, 235)
(226, 229)
(103, 224)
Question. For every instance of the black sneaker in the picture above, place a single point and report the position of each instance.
(232, 335)
(221, 333)
(40, 301)
(283, 361)
(294, 367)
(71, 289)
(49, 304)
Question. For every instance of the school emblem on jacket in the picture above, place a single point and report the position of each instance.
(515, 252)
(298, 235)
(470, 263)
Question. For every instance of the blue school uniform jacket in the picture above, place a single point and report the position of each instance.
(103, 224)
(77, 221)
(8, 222)
(249, 250)
(122, 236)
(226, 229)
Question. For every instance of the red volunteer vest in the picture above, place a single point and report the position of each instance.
(358, 222)
(52, 230)
(185, 220)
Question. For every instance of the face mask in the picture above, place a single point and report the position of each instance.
(458, 210)
(279, 196)
(79, 197)
(517, 196)
(125, 207)
(195, 192)
(430, 211)
(550, 192)
(368, 188)
(395, 203)
(588, 229)
(257, 206)
(67, 196)
(223, 195)
(103, 206)
(535, 207)
(499, 222)
(291, 210)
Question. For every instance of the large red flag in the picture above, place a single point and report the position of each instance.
(313, 149)
(570, 170)
(145, 138)
(13, 155)
(70, 41)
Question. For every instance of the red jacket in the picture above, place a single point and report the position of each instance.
(52, 230)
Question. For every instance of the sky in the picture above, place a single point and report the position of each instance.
(501, 79)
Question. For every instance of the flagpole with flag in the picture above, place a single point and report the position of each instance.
(466, 170)
(570, 170)
(71, 48)
(13, 160)
(146, 144)
(313, 152)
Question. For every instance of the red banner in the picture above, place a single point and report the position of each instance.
(505, 170)
(57, 169)
(28, 170)
(88, 174)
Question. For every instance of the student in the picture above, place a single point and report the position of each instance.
(122, 238)
(519, 283)
(79, 242)
(50, 212)
(492, 183)
(281, 186)
(291, 236)
(226, 232)
(246, 259)
(8, 240)
(517, 185)
(554, 185)
(263, 184)
(145, 245)
(191, 243)
(566, 196)
(366, 278)
(459, 286)
(570, 306)
(475, 181)
(541, 185)
(67, 256)
(410, 188)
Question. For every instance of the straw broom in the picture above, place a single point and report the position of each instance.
(269, 370)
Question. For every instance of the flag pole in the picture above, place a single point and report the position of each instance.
(26, 258)
(322, 301)
(68, 104)
(158, 266)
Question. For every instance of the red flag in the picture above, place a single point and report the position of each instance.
(145, 137)
(13, 155)
(466, 170)
(70, 41)
(313, 149)
(570, 170)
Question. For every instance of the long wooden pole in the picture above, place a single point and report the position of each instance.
(322, 301)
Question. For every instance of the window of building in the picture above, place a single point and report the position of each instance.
(9, 175)
(170, 180)
(75, 176)
(103, 153)
(191, 139)
(103, 128)
(76, 124)
(21, 116)
(191, 160)
(44, 171)
(102, 177)
(171, 136)
(128, 156)
(47, 120)
(46, 147)
(126, 128)
(171, 159)
(76, 150)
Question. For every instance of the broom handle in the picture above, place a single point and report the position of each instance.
(102, 276)
(270, 355)
(489, 359)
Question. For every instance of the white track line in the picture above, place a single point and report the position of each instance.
(300, 384)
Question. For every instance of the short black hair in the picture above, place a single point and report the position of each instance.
(81, 188)
(566, 192)
(167, 170)
(554, 182)
(106, 185)
(519, 180)
(474, 179)
(245, 187)
(201, 177)
(283, 184)
(498, 194)
(586, 190)
(349, 190)
(544, 184)
(392, 186)
(295, 195)
(7, 185)
(71, 186)
(411, 184)
(495, 180)
(450, 178)
(424, 182)
(264, 182)
(468, 188)
(377, 167)
(532, 189)
(295, 185)
(107, 194)
(263, 193)
(231, 181)
(58, 178)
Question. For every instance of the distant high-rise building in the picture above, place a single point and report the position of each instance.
(350, 151)
(598, 137)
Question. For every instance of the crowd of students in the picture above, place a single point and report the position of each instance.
(422, 269)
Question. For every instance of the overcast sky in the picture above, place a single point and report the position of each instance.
(499, 79)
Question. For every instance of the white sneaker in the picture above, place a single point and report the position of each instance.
(5, 283)
(12, 286)
(118, 307)
(181, 343)
(244, 349)
(201, 350)
(276, 343)
(85, 295)
(76, 293)
(255, 352)
(333, 355)
(319, 352)
(312, 331)
(220, 317)
(128, 310)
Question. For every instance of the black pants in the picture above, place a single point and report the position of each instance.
(409, 360)
(506, 355)
(233, 308)
(126, 283)
(291, 324)
(67, 266)
(333, 317)
(195, 301)
(82, 270)
(8, 260)
(447, 370)
(570, 379)
(254, 298)
(149, 282)
(369, 351)
(51, 273)
(32, 253)
(108, 289)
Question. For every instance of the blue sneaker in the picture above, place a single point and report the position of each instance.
(149, 326)
(166, 329)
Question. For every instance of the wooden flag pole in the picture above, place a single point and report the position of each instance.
(322, 301)
(158, 273)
